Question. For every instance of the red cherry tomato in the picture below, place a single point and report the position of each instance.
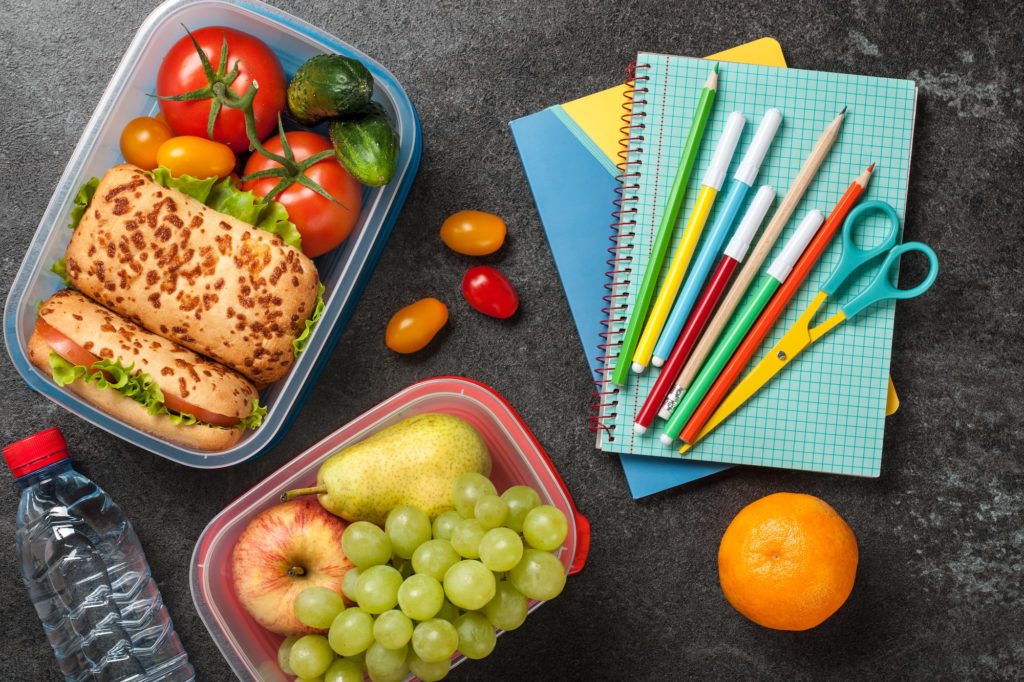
(490, 292)
(182, 71)
(412, 327)
(473, 233)
(322, 223)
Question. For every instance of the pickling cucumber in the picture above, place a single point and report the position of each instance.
(366, 144)
(326, 86)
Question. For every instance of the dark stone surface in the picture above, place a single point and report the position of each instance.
(939, 591)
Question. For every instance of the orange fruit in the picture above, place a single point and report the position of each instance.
(787, 561)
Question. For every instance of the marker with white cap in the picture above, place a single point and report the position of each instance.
(712, 183)
(741, 324)
(742, 181)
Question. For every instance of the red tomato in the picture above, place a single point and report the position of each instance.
(412, 327)
(182, 71)
(322, 223)
(490, 292)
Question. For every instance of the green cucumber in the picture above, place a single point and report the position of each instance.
(367, 145)
(326, 86)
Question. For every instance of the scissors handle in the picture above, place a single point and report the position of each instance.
(881, 288)
(853, 256)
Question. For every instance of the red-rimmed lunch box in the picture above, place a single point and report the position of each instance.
(517, 459)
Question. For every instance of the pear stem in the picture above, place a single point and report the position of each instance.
(298, 492)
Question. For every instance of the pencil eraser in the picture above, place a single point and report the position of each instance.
(638, 368)
(666, 439)
(639, 428)
(657, 362)
(665, 414)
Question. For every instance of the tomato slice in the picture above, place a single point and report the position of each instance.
(75, 354)
(177, 404)
(63, 346)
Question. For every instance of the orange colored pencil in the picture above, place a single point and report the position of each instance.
(723, 384)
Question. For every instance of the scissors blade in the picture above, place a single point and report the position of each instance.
(796, 340)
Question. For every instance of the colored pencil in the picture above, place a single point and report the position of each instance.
(764, 245)
(663, 237)
(742, 181)
(710, 413)
(734, 254)
(741, 324)
(709, 188)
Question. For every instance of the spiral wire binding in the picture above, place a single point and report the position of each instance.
(623, 229)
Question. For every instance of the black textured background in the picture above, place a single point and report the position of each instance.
(938, 593)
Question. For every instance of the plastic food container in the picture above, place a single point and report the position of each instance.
(517, 458)
(344, 271)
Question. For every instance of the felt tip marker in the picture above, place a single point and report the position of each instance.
(741, 324)
(712, 183)
(741, 184)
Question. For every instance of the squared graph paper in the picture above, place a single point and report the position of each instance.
(825, 411)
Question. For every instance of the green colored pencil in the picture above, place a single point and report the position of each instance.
(663, 237)
(741, 324)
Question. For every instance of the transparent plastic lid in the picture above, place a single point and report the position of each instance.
(344, 271)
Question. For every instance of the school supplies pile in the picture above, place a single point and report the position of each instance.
(712, 311)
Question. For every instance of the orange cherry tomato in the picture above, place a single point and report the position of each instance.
(412, 327)
(196, 156)
(473, 233)
(140, 140)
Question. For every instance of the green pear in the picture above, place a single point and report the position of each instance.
(415, 462)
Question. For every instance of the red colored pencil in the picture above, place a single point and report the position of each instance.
(705, 306)
(723, 384)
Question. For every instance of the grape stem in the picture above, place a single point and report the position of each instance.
(299, 492)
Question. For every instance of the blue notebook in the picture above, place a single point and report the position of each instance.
(568, 154)
(573, 191)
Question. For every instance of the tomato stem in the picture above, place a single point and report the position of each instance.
(218, 90)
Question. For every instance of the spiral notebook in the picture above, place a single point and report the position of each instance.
(828, 415)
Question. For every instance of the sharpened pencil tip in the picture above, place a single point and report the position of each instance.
(843, 112)
(715, 67)
(871, 168)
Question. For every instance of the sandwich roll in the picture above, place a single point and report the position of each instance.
(206, 280)
(82, 333)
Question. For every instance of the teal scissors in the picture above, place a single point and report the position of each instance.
(802, 335)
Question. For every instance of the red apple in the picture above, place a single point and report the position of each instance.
(284, 550)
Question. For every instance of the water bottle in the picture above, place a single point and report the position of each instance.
(86, 573)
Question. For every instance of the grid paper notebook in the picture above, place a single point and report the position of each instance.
(826, 411)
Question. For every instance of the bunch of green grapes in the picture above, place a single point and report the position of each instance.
(422, 591)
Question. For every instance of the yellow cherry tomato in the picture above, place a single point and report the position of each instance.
(196, 156)
(412, 327)
(140, 140)
(473, 233)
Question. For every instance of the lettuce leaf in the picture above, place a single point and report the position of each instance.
(81, 201)
(140, 387)
(225, 197)
(60, 268)
(256, 415)
(274, 219)
(302, 340)
(196, 188)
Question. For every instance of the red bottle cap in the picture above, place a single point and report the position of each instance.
(35, 452)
